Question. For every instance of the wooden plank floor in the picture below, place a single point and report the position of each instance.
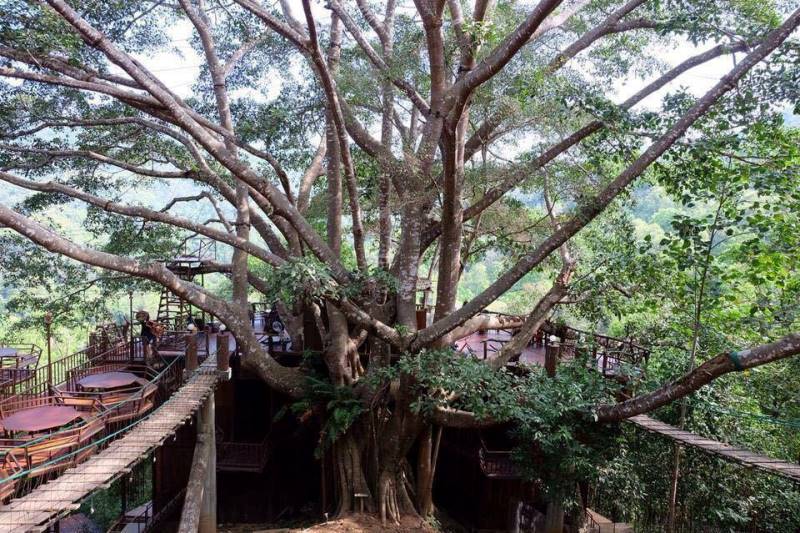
(732, 453)
(36, 510)
(494, 340)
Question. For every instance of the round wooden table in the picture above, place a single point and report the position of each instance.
(41, 418)
(8, 352)
(109, 380)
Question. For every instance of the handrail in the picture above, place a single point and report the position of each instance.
(577, 330)
(58, 372)
(609, 352)
(81, 425)
(84, 422)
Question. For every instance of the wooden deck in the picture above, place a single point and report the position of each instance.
(485, 345)
(51, 501)
(732, 453)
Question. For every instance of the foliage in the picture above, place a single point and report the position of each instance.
(339, 405)
(556, 441)
(300, 279)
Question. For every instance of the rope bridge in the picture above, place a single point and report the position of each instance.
(55, 499)
(732, 453)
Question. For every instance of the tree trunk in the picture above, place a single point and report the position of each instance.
(352, 490)
(369, 475)
(426, 468)
(554, 519)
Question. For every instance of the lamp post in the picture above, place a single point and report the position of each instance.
(48, 322)
(551, 353)
(130, 322)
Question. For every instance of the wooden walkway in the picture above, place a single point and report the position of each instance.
(732, 453)
(55, 499)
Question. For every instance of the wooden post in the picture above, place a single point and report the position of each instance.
(223, 347)
(223, 361)
(48, 322)
(191, 353)
(124, 494)
(422, 317)
(208, 513)
(199, 514)
(551, 358)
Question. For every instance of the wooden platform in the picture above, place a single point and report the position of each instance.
(51, 501)
(485, 345)
(732, 453)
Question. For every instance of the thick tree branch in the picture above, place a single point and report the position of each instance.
(145, 213)
(332, 98)
(375, 59)
(189, 122)
(499, 57)
(287, 380)
(715, 367)
(516, 175)
(594, 206)
(609, 25)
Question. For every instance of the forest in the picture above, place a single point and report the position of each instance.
(395, 177)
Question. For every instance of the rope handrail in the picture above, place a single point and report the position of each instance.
(793, 423)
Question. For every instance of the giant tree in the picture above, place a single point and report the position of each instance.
(350, 150)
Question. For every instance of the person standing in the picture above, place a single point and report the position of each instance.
(122, 323)
(148, 334)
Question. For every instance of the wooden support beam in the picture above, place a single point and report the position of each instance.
(208, 515)
(191, 353)
(200, 504)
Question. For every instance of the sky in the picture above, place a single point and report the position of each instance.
(180, 70)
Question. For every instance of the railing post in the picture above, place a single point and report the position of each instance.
(124, 494)
(191, 353)
(223, 349)
(223, 361)
(48, 322)
(199, 514)
(208, 512)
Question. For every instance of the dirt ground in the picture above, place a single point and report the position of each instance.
(356, 523)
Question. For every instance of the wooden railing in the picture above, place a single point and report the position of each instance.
(19, 368)
(610, 354)
(242, 456)
(497, 464)
(81, 439)
(59, 371)
(200, 248)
